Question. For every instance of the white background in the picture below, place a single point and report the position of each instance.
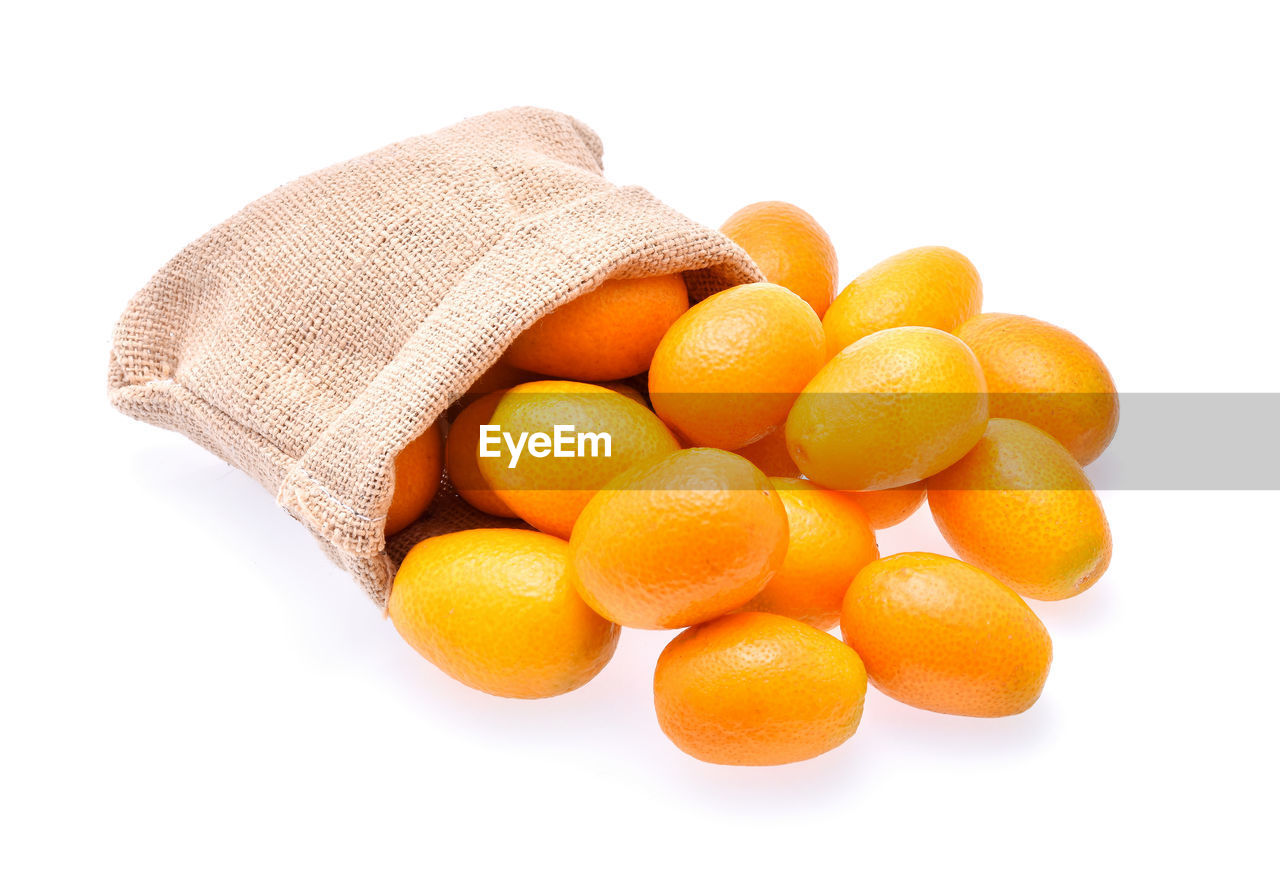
(191, 690)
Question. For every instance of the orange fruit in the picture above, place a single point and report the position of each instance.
(728, 369)
(885, 508)
(460, 456)
(829, 542)
(939, 634)
(1019, 506)
(789, 247)
(770, 455)
(930, 287)
(417, 478)
(755, 689)
(678, 541)
(893, 408)
(1046, 376)
(548, 490)
(605, 334)
(493, 609)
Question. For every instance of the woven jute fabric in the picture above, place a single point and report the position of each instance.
(310, 337)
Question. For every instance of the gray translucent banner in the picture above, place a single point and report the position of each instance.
(1193, 441)
(1165, 441)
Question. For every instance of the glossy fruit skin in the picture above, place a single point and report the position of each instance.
(891, 409)
(770, 455)
(460, 456)
(887, 508)
(790, 248)
(829, 541)
(679, 541)
(932, 287)
(728, 370)
(1048, 377)
(417, 478)
(1019, 506)
(606, 334)
(755, 689)
(939, 634)
(550, 492)
(493, 609)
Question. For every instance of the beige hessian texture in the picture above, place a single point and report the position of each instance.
(310, 337)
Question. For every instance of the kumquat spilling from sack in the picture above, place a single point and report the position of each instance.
(723, 468)
(528, 419)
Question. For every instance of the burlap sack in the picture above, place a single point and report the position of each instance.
(310, 337)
